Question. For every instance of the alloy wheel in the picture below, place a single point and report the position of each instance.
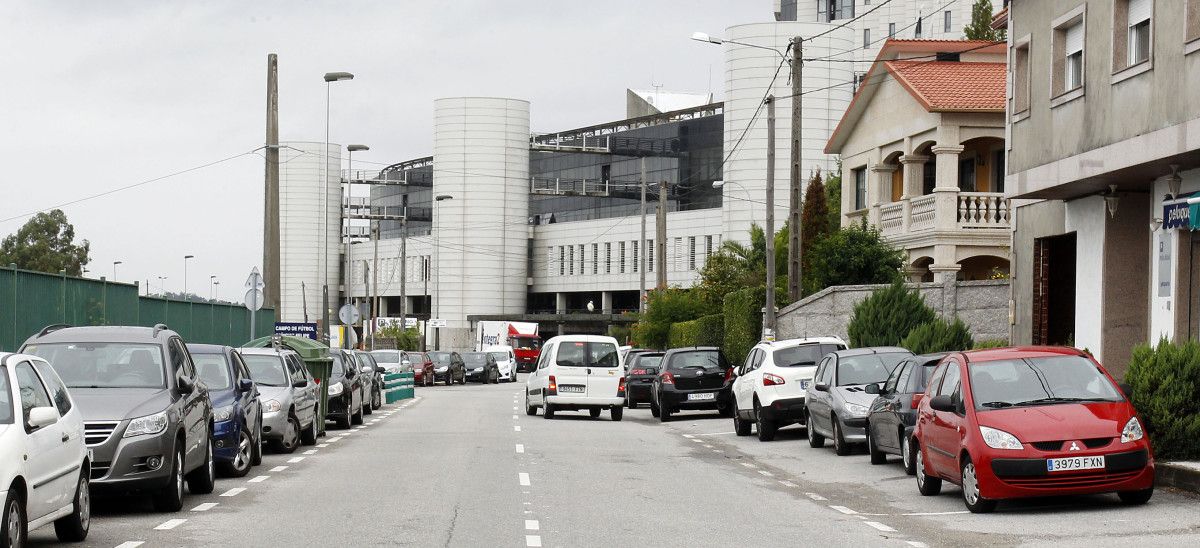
(920, 470)
(242, 458)
(179, 475)
(14, 522)
(85, 502)
(905, 453)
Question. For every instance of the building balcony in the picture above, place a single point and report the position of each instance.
(942, 211)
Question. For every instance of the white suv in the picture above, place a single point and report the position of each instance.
(44, 467)
(769, 389)
(577, 372)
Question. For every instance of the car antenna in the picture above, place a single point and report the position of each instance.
(159, 328)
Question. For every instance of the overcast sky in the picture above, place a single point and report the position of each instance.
(101, 95)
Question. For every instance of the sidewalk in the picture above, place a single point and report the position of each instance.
(1183, 475)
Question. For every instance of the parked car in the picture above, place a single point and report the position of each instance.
(422, 367)
(345, 390)
(481, 367)
(629, 354)
(506, 361)
(690, 378)
(1030, 422)
(41, 445)
(288, 394)
(768, 389)
(448, 367)
(237, 414)
(372, 381)
(836, 403)
(577, 372)
(640, 371)
(148, 421)
(893, 413)
(392, 361)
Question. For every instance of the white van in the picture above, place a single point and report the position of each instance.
(576, 372)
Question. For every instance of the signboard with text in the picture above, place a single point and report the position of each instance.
(296, 329)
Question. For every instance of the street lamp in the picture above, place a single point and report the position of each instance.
(217, 284)
(437, 265)
(185, 261)
(212, 283)
(719, 184)
(162, 285)
(115, 263)
(330, 77)
(351, 149)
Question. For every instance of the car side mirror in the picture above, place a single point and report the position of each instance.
(821, 387)
(1126, 389)
(942, 403)
(872, 388)
(300, 384)
(246, 385)
(40, 417)
(185, 385)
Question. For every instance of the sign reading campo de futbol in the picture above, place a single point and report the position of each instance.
(297, 329)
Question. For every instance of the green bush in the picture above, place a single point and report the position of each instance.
(406, 339)
(743, 322)
(1166, 391)
(938, 336)
(663, 308)
(683, 334)
(990, 343)
(710, 330)
(887, 316)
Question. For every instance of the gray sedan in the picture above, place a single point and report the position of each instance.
(288, 395)
(836, 403)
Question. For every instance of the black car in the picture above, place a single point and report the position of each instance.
(237, 415)
(640, 371)
(372, 381)
(481, 367)
(893, 414)
(345, 390)
(448, 367)
(690, 378)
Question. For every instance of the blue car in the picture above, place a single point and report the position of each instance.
(237, 414)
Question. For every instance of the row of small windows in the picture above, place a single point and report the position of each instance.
(918, 30)
(420, 269)
(627, 257)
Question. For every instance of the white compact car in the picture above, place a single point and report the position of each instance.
(769, 389)
(44, 467)
(577, 372)
(506, 361)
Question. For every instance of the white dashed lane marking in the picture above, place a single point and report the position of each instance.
(233, 492)
(130, 544)
(294, 460)
(523, 477)
(916, 544)
(532, 525)
(815, 496)
(520, 448)
(258, 479)
(311, 452)
(766, 473)
(279, 468)
(322, 445)
(533, 540)
(516, 428)
(204, 507)
(170, 524)
(879, 526)
(748, 464)
(787, 483)
(844, 510)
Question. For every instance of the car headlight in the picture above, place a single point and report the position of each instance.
(855, 409)
(999, 439)
(1132, 431)
(442, 369)
(478, 369)
(272, 406)
(223, 414)
(335, 389)
(147, 425)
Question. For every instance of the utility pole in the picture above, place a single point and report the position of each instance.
(642, 287)
(271, 182)
(403, 268)
(795, 229)
(769, 315)
(367, 273)
(661, 236)
(374, 282)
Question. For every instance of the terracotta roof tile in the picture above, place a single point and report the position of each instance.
(949, 86)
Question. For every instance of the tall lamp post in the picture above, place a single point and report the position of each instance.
(330, 77)
(212, 286)
(162, 286)
(185, 261)
(437, 266)
(115, 263)
(216, 286)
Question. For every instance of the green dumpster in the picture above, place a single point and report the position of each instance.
(316, 358)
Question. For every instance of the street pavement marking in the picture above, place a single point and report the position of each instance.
(815, 496)
(844, 510)
(715, 434)
(688, 436)
(131, 544)
(523, 477)
(516, 428)
(332, 440)
(204, 507)
(766, 473)
(697, 441)
(520, 448)
(533, 540)
(747, 464)
(311, 452)
(373, 421)
(294, 460)
(707, 446)
(233, 492)
(170, 524)
(532, 525)
(787, 483)
(514, 417)
(514, 408)
(880, 527)
(937, 513)
(279, 468)
(716, 450)
(916, 544)
(322, 445)
(258, 479)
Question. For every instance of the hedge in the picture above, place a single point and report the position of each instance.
(743, 322)
(1166, 391)
(683, 334)
(704, 331)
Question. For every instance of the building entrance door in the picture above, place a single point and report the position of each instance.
(1054, 290)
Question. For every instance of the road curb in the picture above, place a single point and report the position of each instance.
(1179, 475)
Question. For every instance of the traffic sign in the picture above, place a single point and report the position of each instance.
(254, 299)
(349, 314)
(410, 323)
(255, 281)
(436, 322)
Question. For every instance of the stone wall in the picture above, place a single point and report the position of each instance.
(982, 305)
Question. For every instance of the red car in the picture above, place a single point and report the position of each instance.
(1029, 422)
(422, 368)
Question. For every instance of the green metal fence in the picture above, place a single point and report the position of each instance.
(30, 301)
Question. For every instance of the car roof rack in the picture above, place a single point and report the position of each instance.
(159, 328)
(52, 328)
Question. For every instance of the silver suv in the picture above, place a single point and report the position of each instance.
(147, 420)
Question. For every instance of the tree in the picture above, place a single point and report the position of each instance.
(852, 256)
(406, 339)
(833, 198)
(981, 24)
(663, 308)
(815, 220)
(738, 266)
(46, 243)
(887, 316)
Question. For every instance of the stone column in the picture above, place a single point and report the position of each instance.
(560, 303)
(946, 187)
(944, 267)
(914, 174)
(606, 302)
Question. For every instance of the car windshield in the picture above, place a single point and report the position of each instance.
(1039, 381)
(527, 343)
(474, 358)
(387, 356)
(105, 365)
(695, 359)
(265, 369)
(339, 369)
(440, 358)
(867, 368)
(212, 369)
(802, 356)
(6, 404)
(580, 354)
(499, 356)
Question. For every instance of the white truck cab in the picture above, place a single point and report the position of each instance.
(577, 372)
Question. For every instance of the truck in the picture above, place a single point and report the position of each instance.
(521, 336)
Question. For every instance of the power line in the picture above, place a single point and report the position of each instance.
(885, 38)
(843, 25)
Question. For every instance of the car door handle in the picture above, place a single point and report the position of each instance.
(66, 437)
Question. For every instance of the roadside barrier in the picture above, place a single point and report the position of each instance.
(398, 386)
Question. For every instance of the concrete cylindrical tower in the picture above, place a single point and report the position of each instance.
(481, 159)
(300, 226)
(748, 73)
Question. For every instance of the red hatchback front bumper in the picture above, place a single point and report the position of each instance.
(1129, 468)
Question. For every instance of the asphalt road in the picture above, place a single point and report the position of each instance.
(464, 466)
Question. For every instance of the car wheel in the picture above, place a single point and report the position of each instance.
(815, 440)
(291, 436)
(616, 413)
(970, 490)
(366, 404)
(256, 454)
(629, 401)
(654, 409)
(170, 497)
(595, 413)
(906, 453)
(346, 419)
(1136, 498)
(74, 527)
(840, 447)
(240, 465)
(548, 411)
(741, 427)
(529, 409)
(309, 435)
(664, 413)
(766, 427)
(926, 485)
(726, 410)
(14, 533)
(357, 418)
(376, 399)
(877, 456)
(202, 480)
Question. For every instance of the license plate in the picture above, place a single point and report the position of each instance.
(570, 388)
(1074, 463)
(706, 396)
(804, 384)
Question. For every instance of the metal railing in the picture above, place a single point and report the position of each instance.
(557, 185)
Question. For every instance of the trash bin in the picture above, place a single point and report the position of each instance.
(316, 358)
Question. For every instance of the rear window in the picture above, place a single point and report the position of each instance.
(647, 360)
(587, 354)
(806, 355)
(695, 359)
(386, 356)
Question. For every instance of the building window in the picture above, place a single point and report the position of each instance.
(649, 255)
(1192, 25)
(678, 252)
(830, 10)
(866, 37)
(571, 258)
(966, 174)
(891, 30)
(708, 248)
(1020, 78)
(860, 188)
(1131, 33)
(595, 258)
(582, 261)
(562, 260)
(608, 257)
(929, 175)
(691, 253)
(621, 257)
(998, 171)
(946, 25)
(635, 256)
(1068, 55)
(550, 261)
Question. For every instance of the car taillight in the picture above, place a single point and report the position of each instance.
(668, 378)
(728, 374)
(552, 389)
(916, 401)
(772, 380)
(637, 372)
(621, 388)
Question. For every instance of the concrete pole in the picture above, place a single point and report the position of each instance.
(374, 282)
(325, 327)
(661, 237)
(271, 267)
(769, 315)
(404, 268)
(642, 287)
(795, 229)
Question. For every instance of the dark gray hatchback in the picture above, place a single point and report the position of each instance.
(147, 420)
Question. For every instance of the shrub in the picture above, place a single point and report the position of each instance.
(704, 331)
(938, 336)
(743, 322)
(853, 255)
(663, 308)
(990, 343)
(887, 316)
(1166, 391)
(683, 334)
(406, 339)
